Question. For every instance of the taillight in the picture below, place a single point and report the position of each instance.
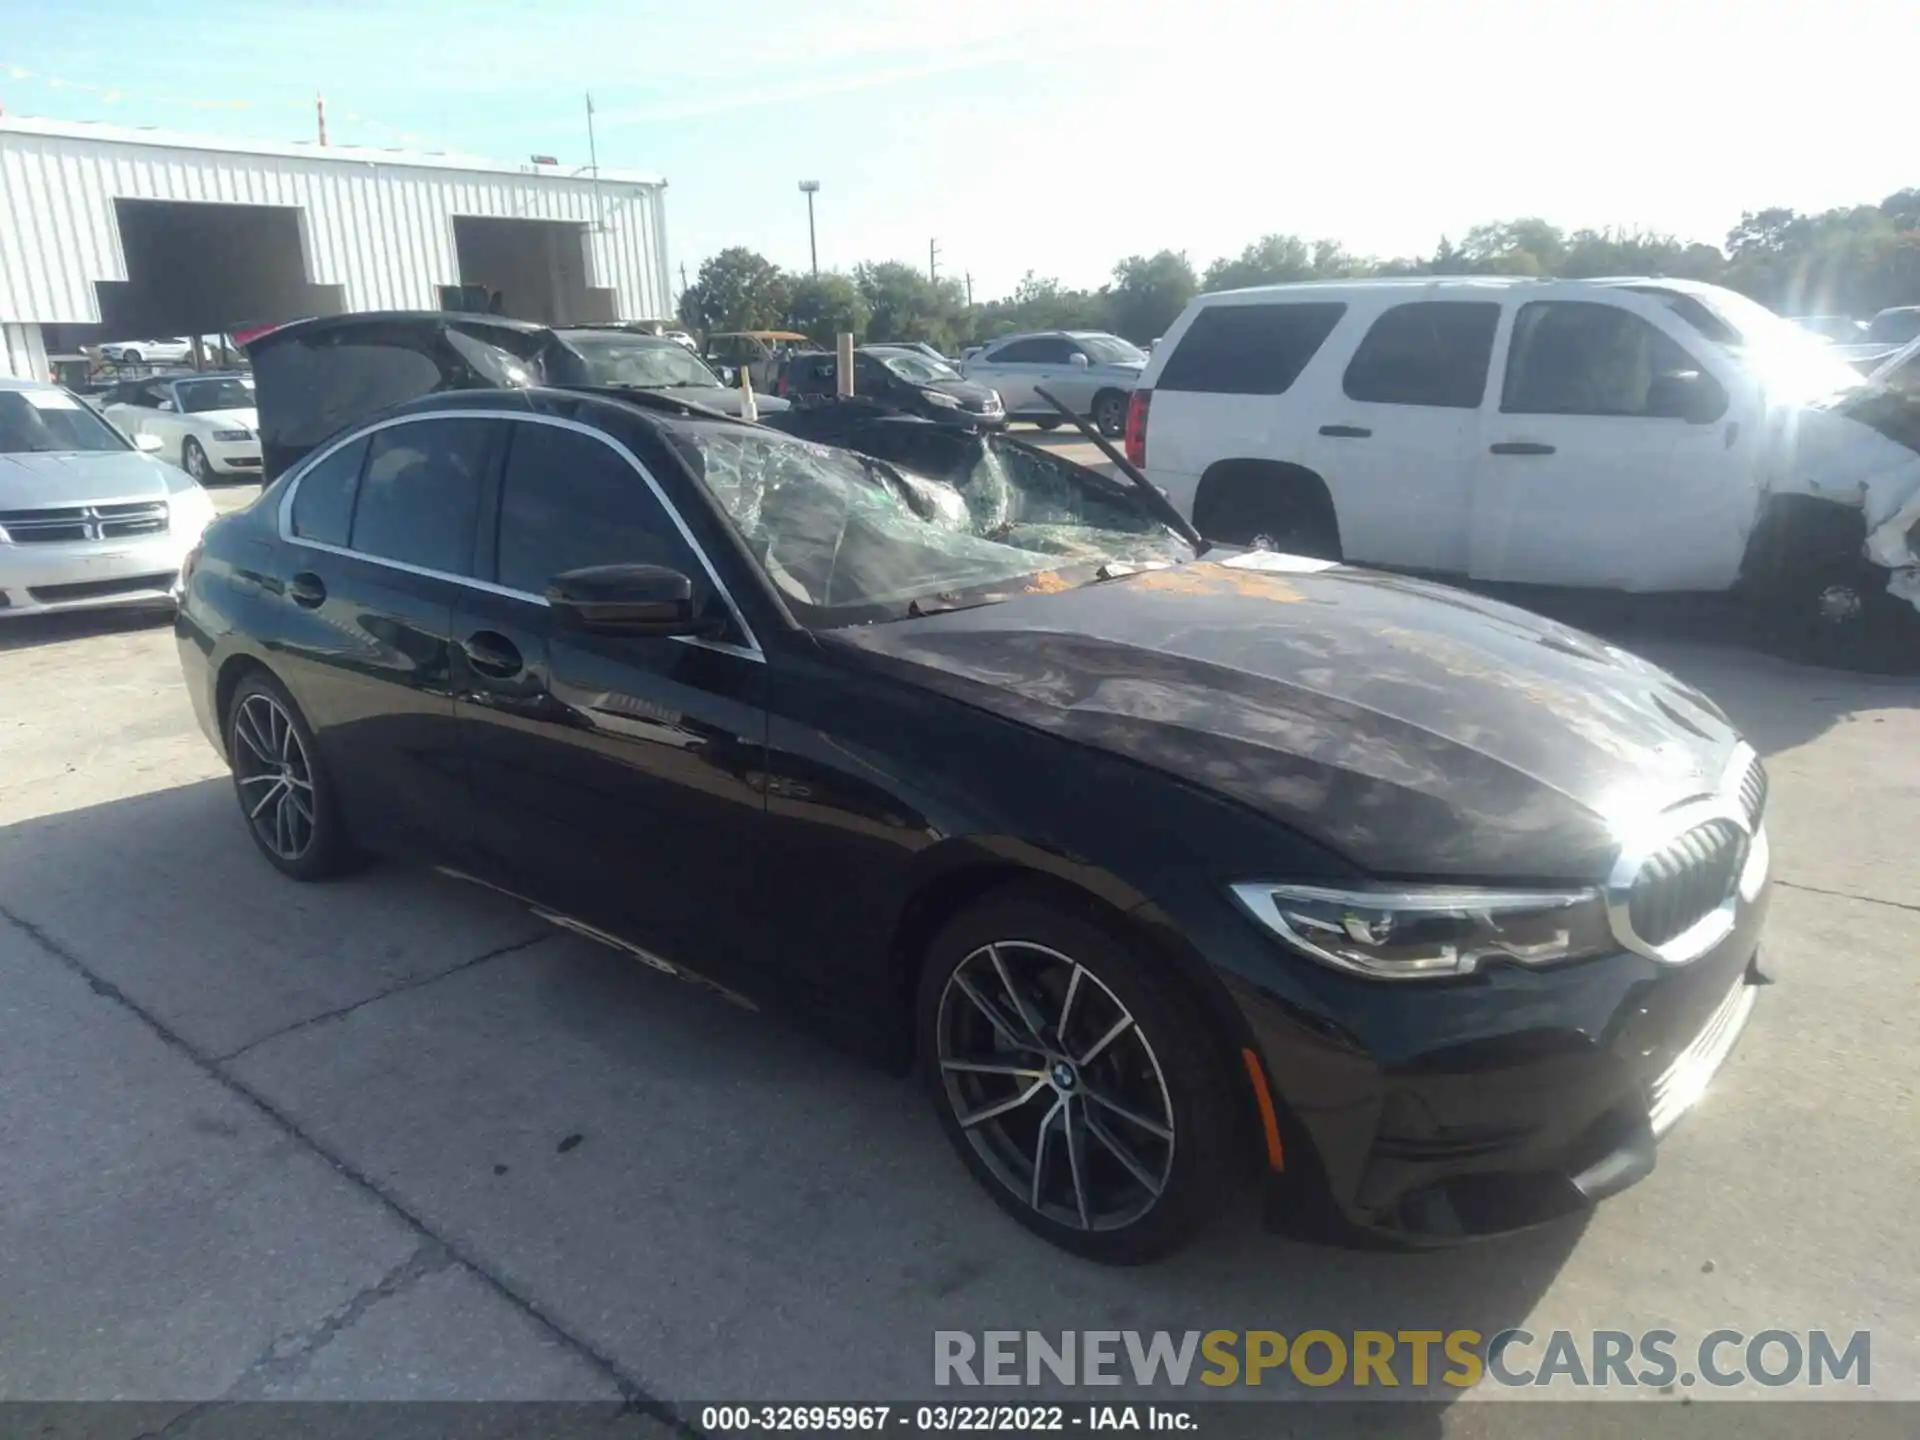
(1136, 441)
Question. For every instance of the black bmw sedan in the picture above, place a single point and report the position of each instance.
(1168, 873)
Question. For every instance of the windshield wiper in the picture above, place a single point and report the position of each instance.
(1157, 503)
(917, 609)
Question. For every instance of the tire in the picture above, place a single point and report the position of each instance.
(1051, 424)
(1835, 611)
(130, 357)
(1291, 522)
(1164, 1068)
(193, 460)
(284, 796)
(1110, 413)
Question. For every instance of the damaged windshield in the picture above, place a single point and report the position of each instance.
(1792, 363)
(848, 539)
(640, 364)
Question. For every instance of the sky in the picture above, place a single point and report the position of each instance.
(1051, 136)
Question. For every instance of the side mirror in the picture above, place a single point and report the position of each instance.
(627, 600)
(1078, 360)
(164, 405)
(147, 444)
(1688, 395)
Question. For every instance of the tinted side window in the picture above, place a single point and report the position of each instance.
(1431, 352)
(420, 491)
(1249, 349)
(1027, 352)
(1578, 357)
(567, 500)
(323, 501)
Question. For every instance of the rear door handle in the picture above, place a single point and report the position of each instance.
(306, 591)
(1346, 432)
(1520, 447)
(492, 655)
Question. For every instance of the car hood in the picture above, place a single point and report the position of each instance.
(1417, 730)
(248, 418)
(36, 480)
(726, 400)
(969, 393)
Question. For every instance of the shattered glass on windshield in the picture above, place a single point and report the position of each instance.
(859, 537)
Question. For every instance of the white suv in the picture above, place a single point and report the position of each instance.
(1644, 435)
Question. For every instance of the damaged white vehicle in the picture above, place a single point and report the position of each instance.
(1632, 434)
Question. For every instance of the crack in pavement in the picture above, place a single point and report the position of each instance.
(405, 985)
(1848, 895)
(286, 1359)
(633, 1395)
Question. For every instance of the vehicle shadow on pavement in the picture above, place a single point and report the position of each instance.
(26, 631)
(725, 1207)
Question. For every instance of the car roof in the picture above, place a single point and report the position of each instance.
(359, 319)
(1347, 289)
(611, 332)
(8, 382)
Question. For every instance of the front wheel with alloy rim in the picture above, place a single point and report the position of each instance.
(1110, 412)
(282, 789)
(1075, 1077)
(1834, 611)
(193, 459)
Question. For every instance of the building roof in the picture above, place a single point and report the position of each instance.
(304, 150)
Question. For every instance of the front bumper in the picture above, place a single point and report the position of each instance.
(237, 457)
(91, 575)
(1428, 1114)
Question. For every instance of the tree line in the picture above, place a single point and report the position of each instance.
(1851, 260)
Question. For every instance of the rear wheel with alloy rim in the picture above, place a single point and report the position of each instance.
(282, 789)
(193, 459)
(1110, 412)
(1075, 1077)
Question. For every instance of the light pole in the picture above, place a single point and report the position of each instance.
(811, 188)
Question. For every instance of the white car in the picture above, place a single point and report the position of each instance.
(1090, 371)
(1633, 434)
(206, 424)
(86, 517)
(174, 351)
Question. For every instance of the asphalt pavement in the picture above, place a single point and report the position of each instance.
(394, 1138)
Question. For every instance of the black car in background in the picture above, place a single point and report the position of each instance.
(322, 373)
(898, 377)
(1166, 870)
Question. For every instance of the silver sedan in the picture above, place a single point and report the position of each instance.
(87, 517)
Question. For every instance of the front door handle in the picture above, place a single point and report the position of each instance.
(306, 591)
(492, 655)
(1346, 432)
(1520, 447)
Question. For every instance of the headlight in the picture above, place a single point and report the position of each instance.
(190, 508)
(1414, 932)
(231, 435)
(940, 397)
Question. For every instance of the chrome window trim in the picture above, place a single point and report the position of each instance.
(1661, 830)
(284, 520)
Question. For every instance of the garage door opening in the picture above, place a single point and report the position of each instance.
(530, 269)
(205, 269)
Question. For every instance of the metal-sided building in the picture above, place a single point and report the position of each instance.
(109, 233)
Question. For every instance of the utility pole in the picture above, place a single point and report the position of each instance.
(933, 260)
(811, 188)
(969, 289)
(320, 114)
(683, 278)
(593, 163)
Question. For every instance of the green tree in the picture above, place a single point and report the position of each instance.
(1512, 247)
(1270, 260)
(904, 304)
(1149, 292)
(737, 290)
(822, 307)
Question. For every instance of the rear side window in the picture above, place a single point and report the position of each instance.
(1430, 352)
(1579, 357)
(1249, 349)
(1041, 350)
(568, 500)
(323, 501)
(420, 491)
